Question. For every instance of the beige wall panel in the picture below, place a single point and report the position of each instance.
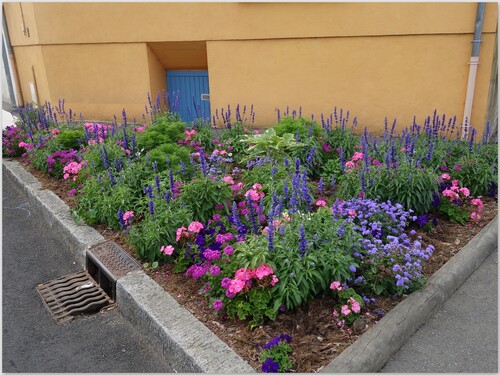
(397, 77)
(99, 80)
(31, 68)
(21, 23)
(181, 55)
(157, 78)
(148, 22)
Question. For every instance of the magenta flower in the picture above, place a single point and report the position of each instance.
(214, 270)
(228, 250)
(262, 271)
(217, 304)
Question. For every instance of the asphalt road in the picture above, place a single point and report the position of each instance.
(462, 336)
(32, 342)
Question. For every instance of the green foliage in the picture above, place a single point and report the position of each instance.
(270, 144)
(175, 155)
(203, 194)
(452, 212)
(155, 231)
(477, 174)
(70, 138)
(342, 139)
(162, 131)
(279, 353)
(301, 125)
(411, 186)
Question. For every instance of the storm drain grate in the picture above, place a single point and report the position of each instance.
(72, 295)
(107, 262)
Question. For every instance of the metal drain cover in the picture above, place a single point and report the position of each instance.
(72, 295)
(112, 259)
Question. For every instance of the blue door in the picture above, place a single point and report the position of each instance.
(191, 86)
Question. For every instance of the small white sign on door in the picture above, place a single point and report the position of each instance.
(33, 93)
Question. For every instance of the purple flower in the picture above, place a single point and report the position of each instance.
(217, 304)
(352, 268)
(225, 282)
(270, 366)
(214, 270)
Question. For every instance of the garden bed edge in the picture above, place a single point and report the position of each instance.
(376, 346)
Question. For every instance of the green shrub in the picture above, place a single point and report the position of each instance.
(70, 138)
(175, 155)
(161, 132)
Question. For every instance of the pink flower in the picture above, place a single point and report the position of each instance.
(228, 179)
(445, 176)
(355, 306)
(345, 310)
(257, 186)
(256, 132)
(451, 194)
(236, 286)
(244, 274)
(336, 285)
(454, 182)
(179, 233)
(465, 191)
(128, 215)
(321, 203)
(335, 312)
(349, 164)
(475, 216)
(274, 280)
(357, 156)
(262, 271)
(254, 195)
(55, 132)
(167, 250)
(352, 213)
(195, 227)
(326, 147)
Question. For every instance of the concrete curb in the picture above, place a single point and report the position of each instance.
(188, 345)
(77, 236)
(375, 347)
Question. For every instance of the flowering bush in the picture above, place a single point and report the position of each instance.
(348, 306)
(275, 354)
(266, 221)
(12, 136)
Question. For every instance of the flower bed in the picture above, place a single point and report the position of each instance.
(268, 228)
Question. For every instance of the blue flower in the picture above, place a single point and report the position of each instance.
(270, 366)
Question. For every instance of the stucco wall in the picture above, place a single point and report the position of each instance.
(157, 79)
(99, 80)
(31, 69)
(90, 22)
(375, 59)
(373, 77)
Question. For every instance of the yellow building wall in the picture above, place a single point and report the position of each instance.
(99, 80)
(372, 77)
(157, 79)
(375, 59)
(89, 22)
(31, 69)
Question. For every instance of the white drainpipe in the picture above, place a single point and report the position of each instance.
(473, 63)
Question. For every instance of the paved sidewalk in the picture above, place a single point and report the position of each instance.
(462, 336)
(32, 341)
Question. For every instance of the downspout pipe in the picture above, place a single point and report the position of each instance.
(473, 63)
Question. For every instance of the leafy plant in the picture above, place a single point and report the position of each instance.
(276, 354)
(202, 195)
(160, 132)
(270, 144)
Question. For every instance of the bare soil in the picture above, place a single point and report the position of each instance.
(316, 338)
